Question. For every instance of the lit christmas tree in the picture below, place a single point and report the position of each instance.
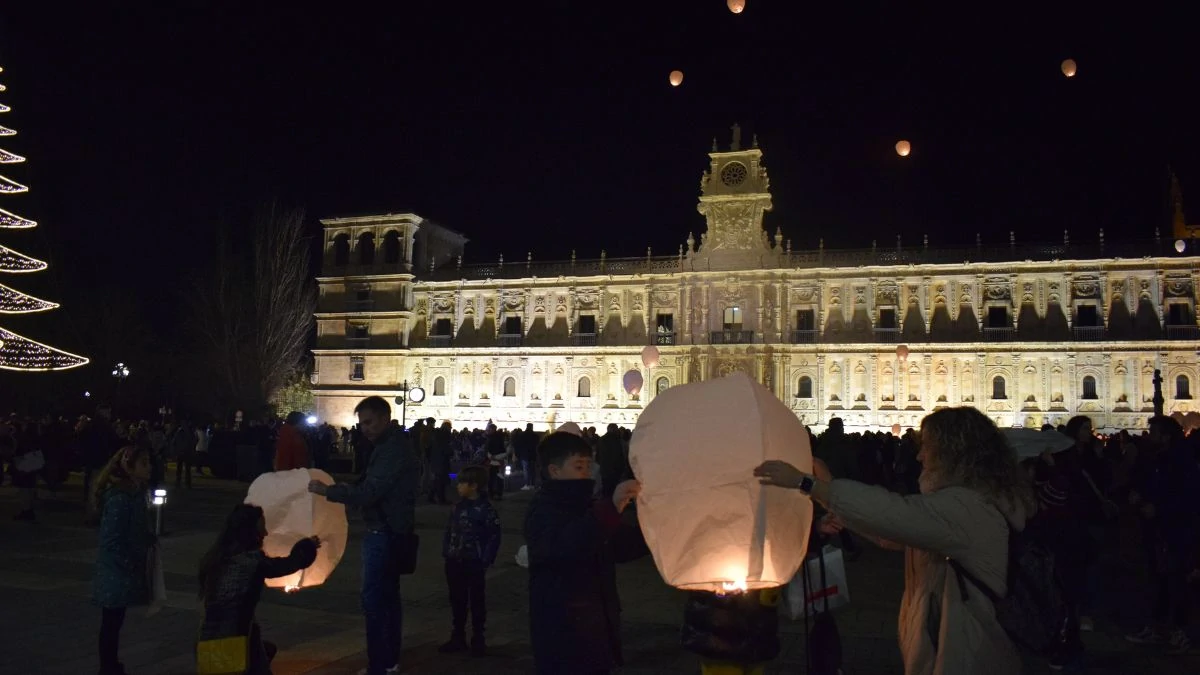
(16, 352)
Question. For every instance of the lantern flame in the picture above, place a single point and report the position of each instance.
(291, 588)
(731, 587)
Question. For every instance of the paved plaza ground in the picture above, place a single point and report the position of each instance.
(47, 624)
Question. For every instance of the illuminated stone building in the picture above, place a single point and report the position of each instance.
(1027, 334)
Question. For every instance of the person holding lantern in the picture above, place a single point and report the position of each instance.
(574, 541)
(972, 493)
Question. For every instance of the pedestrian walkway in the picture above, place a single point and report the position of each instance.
(45, 573)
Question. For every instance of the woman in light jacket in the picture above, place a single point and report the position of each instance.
(972, 491)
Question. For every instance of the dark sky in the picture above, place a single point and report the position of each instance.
(551, 126)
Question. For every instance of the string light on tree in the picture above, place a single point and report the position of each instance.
(18, 352)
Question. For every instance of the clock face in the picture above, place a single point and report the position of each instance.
(734, 173)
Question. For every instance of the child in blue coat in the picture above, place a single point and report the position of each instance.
(469, 546)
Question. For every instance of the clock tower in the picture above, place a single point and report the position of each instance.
(734, 194)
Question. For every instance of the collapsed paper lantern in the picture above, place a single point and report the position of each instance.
(676, 78)
(896, 429)
(633, 382)
(1068, 67)
(708, 522)
(293, 513)
(650, 356)
(902, 352)
(903, 148)
(736, 6)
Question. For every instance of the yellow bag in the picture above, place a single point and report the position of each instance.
(224, 656)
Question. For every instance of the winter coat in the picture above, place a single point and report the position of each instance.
(473, 532)
(291, 452)
(574, 609)
(229, 609)
(940, 633)
(1173, 487)
(387, 491)
(439, 460)
(613, 461)
(122, 572)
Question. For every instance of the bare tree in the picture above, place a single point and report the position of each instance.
(254, 310)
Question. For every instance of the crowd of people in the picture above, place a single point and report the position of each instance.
(951, 495)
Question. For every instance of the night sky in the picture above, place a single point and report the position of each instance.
(550, 126)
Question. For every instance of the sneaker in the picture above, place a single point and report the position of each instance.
(457, 643)
(1146, 636)
(478, 646)
(1179, 643)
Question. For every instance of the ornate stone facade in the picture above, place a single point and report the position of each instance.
(1027, 334)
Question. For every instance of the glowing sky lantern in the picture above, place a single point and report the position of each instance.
(1069, 68)
(903, 148)
(633, 382)
(895, 429)
(902, 352)
(650, 356)
(1180, 245)
(293, 513)
(676, 78)
(708, 522)
(736, 6)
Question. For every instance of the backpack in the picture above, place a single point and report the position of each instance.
(1034, 612)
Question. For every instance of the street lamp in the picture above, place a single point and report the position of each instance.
(119, 373)
(163, 411)
(414, 394)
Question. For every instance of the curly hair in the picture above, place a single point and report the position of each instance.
(964, 448)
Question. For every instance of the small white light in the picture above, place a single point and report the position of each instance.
(311, 419)
(159, 501)
(508, 471)
(160, 492)
(87, 394)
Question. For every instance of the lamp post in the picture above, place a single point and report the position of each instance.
(163, 411)
(119, 372)
(414, 394)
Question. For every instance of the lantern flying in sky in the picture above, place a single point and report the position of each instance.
(633, 382)
(709, 523)
(903, 148)
(1069, 68)
(676, 78)
(902, 352)
(1180, 245)
(293, 513)
(650, 356)
(736, 6)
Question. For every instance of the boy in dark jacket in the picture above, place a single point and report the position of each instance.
(573, 542)
(469, 546)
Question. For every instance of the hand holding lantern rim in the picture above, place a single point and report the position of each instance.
(625, 492)
(317, 487)
(781, 474)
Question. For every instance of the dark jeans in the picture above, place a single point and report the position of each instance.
(183, 467)
(467, 586)
(1172, 599)
(111, 619)
(381, 600)
(530, 472)
(496, 482)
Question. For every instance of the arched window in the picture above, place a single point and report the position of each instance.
(366, 249)
(510, 386)
(1089, 387)
(341, 250)
(661, 384)
(439, 386)
(585, 388)
(998, 388)
(1183, 387)
(391, 248)
(804, 389)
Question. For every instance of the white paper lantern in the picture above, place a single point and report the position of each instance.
(650, 356)
(633, 382)
(708, 522)
(903, 148)
(1180, 245)
(1069, 68)
(676, 78)
(293, 513)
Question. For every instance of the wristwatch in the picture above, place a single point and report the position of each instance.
(806, 484)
